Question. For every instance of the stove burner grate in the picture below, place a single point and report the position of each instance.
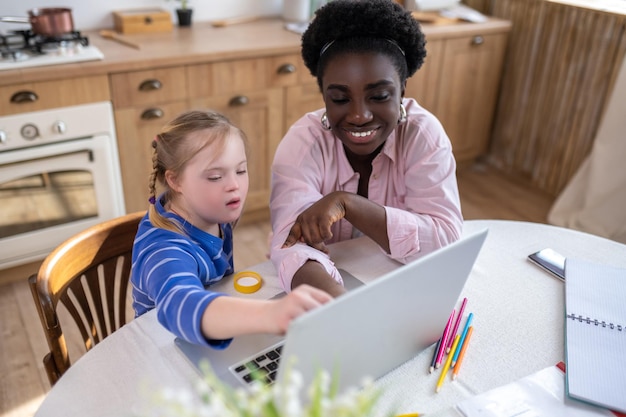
(26, 40)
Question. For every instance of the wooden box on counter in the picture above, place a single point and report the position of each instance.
(142, 21)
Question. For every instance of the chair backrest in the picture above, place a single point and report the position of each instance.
(89, 274)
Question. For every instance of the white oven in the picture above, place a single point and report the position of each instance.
(59, 174)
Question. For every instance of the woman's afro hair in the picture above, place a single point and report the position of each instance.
(362, 20)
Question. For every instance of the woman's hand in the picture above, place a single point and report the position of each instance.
(313, 225)
(292, 305)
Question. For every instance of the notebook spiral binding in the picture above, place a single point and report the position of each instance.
(596, 322)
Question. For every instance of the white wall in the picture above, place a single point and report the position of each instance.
(96, 14)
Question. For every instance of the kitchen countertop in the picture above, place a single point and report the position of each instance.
(200, 43)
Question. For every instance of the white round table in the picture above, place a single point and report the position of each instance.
(518, 329)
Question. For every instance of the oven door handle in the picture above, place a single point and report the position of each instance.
(79, 159)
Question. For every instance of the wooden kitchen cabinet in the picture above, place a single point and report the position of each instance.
(250, 92)
(424, 84)
(235, 76)
(143, 88)
(459, 83)
(303, 97)
(136, 129)
(143, 102)
(34, 96)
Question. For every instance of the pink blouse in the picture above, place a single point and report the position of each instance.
(413, 177)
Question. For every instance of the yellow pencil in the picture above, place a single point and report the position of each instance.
(446, 367)
(457, 366)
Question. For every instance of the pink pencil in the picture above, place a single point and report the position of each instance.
(456, 326)
(444, 336)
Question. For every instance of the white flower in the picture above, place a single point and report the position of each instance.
(213, 398)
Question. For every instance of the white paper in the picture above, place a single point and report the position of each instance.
(541, 394)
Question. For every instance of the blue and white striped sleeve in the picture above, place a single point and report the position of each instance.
(171, 277)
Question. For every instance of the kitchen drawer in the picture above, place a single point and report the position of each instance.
(141, 88)
(243, 75)
(284, 70)
(27, 97)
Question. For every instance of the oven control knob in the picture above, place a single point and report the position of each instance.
(29, 131)
(59, 127)
(3, 136)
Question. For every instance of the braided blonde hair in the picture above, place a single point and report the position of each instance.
(175, 146)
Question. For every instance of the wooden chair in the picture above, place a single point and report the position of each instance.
(89, 274)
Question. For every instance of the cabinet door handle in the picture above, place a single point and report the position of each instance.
(150, 85)
(24, 97)
(286, 69)
(478, 40)
(151, 114)
(238, 101)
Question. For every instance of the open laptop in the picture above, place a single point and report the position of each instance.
(368, 331)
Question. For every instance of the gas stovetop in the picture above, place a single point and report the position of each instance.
(22, 49)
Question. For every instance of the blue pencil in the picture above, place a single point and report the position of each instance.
(462, 339)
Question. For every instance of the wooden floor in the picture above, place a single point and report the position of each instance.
(485, 194)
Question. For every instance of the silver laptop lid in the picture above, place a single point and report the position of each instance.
(377, 327)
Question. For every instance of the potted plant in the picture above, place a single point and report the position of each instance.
(184, 13)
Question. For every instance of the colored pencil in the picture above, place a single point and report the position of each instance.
(446, 367)
(432, 363)
(456, 325)
(442, 345)
(463, 335)
(459, 361)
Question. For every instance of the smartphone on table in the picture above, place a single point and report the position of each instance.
(551, 261)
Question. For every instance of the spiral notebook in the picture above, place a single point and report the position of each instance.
(595, 333)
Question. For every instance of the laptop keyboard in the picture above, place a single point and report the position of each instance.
(262, 366)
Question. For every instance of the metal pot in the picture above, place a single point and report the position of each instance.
(47, 21)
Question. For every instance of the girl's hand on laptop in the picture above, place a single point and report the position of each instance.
(302, 299)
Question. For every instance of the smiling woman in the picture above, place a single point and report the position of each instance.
(372, 161)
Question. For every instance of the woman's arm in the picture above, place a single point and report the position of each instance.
(313, 273)
(313, 225)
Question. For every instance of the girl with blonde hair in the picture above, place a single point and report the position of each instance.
(185, 241)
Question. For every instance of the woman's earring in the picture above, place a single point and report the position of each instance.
(402, 114)
(324, 121)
